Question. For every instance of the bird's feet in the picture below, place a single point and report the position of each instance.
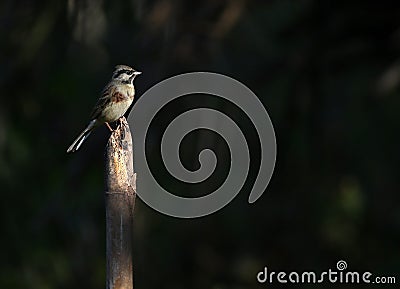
(121, 120)
(109, 127)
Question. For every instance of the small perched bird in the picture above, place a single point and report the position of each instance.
(115, 100)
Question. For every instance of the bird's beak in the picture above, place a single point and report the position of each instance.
(136, 73)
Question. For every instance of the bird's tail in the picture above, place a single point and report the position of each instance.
(82, 137)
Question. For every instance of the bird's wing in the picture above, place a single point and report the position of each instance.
(102, 102)
(110, 94)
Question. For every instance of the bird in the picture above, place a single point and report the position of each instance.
(116, 97)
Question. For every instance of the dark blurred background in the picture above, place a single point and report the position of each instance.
(328, 73)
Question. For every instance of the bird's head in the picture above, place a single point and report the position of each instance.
(125, 74)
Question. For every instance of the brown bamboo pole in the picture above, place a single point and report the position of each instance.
(120, 193)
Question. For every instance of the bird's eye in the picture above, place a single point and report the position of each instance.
(130, 72)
